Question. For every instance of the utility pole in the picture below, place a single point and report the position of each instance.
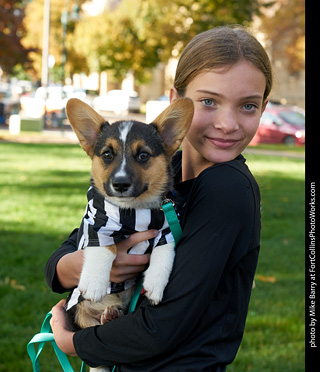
(45, 43)
(45, 52)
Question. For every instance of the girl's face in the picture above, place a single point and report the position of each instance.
(228, 106)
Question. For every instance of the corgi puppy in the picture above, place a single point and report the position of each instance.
(131, 174)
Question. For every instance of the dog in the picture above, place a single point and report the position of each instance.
(130, 176)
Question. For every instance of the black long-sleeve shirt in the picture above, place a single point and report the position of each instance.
(200, 322)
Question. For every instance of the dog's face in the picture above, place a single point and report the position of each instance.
(130, 159)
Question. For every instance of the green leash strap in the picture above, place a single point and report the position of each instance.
(136, 294)
(172, 219)
(41, 338)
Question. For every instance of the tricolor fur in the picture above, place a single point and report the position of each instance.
(131, 168)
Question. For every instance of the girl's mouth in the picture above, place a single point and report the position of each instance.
(223, 143)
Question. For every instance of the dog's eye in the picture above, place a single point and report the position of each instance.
(143, 156)
(107, 155)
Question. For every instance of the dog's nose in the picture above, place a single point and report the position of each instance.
(121, 184)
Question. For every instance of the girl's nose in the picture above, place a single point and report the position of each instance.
(226, 120)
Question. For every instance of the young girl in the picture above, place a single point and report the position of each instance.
(200, 322)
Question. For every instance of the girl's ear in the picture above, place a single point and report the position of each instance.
(86, 123)
(264, 105)
(173, 94)
(174, 122)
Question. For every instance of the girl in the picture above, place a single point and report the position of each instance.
(200, 322)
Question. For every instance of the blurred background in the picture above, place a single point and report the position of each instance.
(120, 56)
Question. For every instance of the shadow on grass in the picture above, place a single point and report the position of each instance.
(25, 296)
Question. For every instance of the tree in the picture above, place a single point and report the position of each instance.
(33, 39)
(12, 30)
(284, 25)
(139, 34)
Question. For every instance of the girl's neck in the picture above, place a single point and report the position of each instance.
(192, 162)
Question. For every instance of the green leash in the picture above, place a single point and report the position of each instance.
(170, 213)
(46, 334)
(41, 338)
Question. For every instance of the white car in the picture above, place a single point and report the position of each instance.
(118, 101)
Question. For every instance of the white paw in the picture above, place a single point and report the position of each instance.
(93, 291)
(94, 279)
(153, 292)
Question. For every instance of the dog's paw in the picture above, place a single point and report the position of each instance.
(153, 293)
(93, 291)
(111, 313)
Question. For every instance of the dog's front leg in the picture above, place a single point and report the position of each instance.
(95, 274)
(157, 275)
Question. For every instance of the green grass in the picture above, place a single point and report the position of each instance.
(42, 198)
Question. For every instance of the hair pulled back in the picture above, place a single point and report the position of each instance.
(221, 47)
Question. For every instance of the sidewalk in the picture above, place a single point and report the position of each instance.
(66, 136)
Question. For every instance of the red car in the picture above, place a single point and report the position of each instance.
(281, 124)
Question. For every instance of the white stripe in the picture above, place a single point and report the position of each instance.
(121, 172)
(74, 298)
(143, 219)
(124, 129)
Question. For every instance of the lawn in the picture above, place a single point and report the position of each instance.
(43, 195)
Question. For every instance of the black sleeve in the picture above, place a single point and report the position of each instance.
(218, 225)
(68, 246)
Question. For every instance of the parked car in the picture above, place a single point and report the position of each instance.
(34, 104)
(118, 101)
(155, 107)
(281, 124)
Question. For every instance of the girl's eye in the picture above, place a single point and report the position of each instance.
(249, 107)
(208, 102)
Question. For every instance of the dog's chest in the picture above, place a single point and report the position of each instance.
(106, 224)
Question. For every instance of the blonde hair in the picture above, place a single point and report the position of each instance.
(221, 47)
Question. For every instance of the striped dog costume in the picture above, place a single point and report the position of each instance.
(105, 224)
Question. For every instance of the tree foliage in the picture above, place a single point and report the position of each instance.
(139, 34)
(285, 27)
(12, 30)
(136, 35)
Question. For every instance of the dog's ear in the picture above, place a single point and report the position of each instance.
(86, 123)
(174, 122)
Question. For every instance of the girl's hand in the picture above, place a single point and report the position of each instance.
(62, 335)
(128, 266)
(125, 266)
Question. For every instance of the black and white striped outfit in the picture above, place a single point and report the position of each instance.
(106, 224)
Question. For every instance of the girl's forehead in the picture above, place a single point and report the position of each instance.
(243, 76)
